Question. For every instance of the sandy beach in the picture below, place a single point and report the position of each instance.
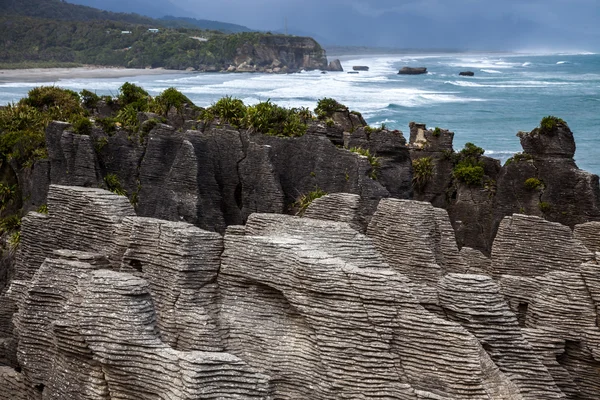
(58, 74)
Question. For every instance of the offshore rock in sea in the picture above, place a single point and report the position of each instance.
(412, 71)
(335, 65)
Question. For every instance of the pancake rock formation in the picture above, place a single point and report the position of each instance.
(106, 304)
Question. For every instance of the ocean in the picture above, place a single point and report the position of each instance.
(509, 93)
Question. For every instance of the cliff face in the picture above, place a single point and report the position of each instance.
(276, 54)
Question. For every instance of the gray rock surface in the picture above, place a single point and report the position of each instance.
(109, 305)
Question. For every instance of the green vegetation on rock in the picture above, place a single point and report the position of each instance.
(113, 184)
(306, 199)
(422, 172)
(468, 168)
(533, 184)
(326, 107)
(550, 123)
(373, 160)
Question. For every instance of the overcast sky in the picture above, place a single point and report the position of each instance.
(462, 24)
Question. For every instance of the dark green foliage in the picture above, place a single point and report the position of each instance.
(171, 97)
(326, 107)
(89, 99)
(305, 200)
(229, 109)
(550, 123)
(271, 119)
(533, 184)
(437, 131)
(127, 117)
(132, 94)
(468, 168)
(114, 185)
(471, 150)
(82, 125)
(422, 172)
(43, 209)
(22, 126)
(470, 174)
(330, 123)
(108, 124)
(518, 157)
(373, 160)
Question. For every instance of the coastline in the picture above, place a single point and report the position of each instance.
(90, 72)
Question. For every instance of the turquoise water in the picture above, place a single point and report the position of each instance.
(509, 93)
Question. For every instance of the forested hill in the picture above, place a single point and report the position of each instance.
(62, 11)
(53, 33)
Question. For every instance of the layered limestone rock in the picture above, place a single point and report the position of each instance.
(550, 280)
(110, 305)
(218, 176)
(339, 317)
(416, 240)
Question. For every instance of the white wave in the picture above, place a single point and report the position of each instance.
(562, 62)
(526, 64)
(513, 84)
(490, 71)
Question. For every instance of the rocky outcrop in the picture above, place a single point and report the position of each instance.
(219, 176)
(466, 73)
(274, 54)
(335, 66)
(412, 71)
(360, 68)
(289, 307)
(542, 181)
(285, 301)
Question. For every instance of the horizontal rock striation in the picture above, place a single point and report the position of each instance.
(108, 305)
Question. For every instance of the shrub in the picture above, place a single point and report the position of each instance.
(373, 160)
(518, 157)
(127, 117)
(437, 131)
(230, 109)
(270, 119)
(471, 150)
(171, 97)
(468, 168)
(89, 99)
(130, 93)
(550, 123)
(43, 209)
(51, 97)
(422, 171)
(533, 184)
(114, 185)
(468, 173)
(148, 125)
(305, 200)
(330, 123)
(327, 106)
(82, 125)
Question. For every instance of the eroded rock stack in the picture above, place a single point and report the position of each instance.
(288, 307)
